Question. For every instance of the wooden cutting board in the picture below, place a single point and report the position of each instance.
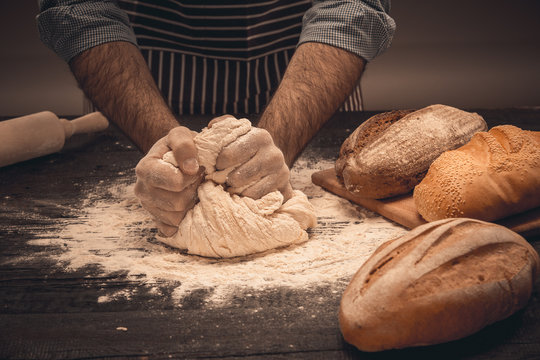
(402, 210)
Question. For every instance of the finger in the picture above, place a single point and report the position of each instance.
(266, 161)
(287, 191)
(243, 148)
(172, 218)
(268, 184)
(218, 119)
(157, 173)
(180, 140)
(166, 200)
(166, 230)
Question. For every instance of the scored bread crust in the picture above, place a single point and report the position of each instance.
(440, 282)
(391, 152)
(495, 175)
(364, 134)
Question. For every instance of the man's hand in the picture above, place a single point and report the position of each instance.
(259, 166)
(165, 191)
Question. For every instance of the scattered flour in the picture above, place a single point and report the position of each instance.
(116, 234)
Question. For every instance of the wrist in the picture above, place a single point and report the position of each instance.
(124, 91)
(317, 81)
(153, 126)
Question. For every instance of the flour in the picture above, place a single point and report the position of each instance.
(222, 225)
(116, 234)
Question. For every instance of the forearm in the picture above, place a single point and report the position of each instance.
(115, 77)
(317, 81)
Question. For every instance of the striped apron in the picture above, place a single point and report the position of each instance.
(219, 56)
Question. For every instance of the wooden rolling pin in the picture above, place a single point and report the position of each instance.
(42, 133)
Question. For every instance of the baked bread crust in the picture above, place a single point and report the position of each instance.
(391, 152)
(495, 175)
(440, 282)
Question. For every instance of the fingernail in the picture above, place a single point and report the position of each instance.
(190, 165)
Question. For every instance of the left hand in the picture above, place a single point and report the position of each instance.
(259, 165)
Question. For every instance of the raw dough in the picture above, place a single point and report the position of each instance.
(224, 225)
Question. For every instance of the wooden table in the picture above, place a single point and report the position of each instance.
(46, 312)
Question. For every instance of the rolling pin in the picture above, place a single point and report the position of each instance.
(42, 133)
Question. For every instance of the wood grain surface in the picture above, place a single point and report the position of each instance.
(48, 312)
(402, 209)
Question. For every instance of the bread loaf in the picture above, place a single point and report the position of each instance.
(390, 153)
(440, 282)
(495, 175)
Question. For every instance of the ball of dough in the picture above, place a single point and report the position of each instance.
(224, 225)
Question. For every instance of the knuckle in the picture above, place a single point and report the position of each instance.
(275, 155)
(261, 136)
(179, 131)
(141, 169)
(284, 171)
(261, 133)
(180, 137)
(139, 188)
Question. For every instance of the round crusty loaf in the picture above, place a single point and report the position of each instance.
(495, 175)
(390, 153)
(440, 282)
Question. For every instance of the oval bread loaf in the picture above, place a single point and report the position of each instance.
(440, 282)
(391, 152)
(495, 175)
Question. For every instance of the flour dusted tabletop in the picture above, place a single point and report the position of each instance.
(82, 274)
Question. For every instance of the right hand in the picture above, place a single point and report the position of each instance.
(166, 192)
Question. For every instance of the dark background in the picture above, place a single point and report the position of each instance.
(469, 54)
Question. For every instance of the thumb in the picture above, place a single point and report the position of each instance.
(180, 140)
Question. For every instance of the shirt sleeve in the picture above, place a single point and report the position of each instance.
(361, 27)
(69, 27)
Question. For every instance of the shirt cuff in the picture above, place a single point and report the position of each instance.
(361, 27)
(71, 27)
